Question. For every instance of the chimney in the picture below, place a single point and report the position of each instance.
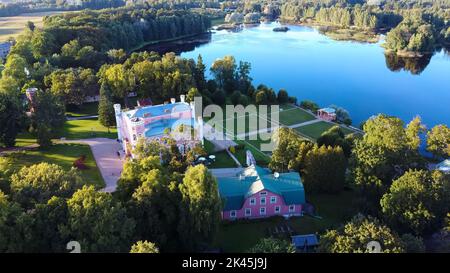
(182, 98)
(172, 100)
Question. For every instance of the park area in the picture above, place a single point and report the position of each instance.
(64, 155)
(10, 27)
(243, 129)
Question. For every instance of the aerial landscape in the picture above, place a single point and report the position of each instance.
(215, 126)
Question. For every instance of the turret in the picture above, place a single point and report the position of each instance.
(118, 114)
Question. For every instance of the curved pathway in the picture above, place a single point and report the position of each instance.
(105, 155)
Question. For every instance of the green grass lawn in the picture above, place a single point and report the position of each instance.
(86, 128)
(63, 155)
(294, 116)
(72, 129)
(25, 139)
(314, 130)
(223, 160)
(239, 236)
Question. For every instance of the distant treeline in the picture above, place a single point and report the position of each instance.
(115, 28)
(14, 9)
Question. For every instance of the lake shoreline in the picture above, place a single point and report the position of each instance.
(155, 43)
(339, 33)
(311, 66)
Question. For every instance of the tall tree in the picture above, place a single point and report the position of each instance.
(417, 201)
(200, 208)
(354, 236)
(324, 169)
(438, 141)
(199, 73)
(11, 120)
(111, 234)
(48, 117)
(224, 72)
(121, 81)
(106, 114)
(38, 183)
(385, 151)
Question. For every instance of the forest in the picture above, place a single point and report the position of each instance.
(14, 9)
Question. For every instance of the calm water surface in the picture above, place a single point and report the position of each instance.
(356, 76)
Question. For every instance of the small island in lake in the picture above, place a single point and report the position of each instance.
(281, 29)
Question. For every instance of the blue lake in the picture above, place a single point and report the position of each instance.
(356, 76)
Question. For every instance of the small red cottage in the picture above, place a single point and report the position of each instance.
(328, 114)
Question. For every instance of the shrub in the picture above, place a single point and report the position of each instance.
(80, 163)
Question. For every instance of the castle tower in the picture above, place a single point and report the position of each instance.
(118, 114)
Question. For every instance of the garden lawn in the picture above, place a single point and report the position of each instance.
(295, 116)
(86, 128)
(314, 130)
(239, 236)
(63, 155)
(223, 160)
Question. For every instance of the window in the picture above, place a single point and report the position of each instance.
(252, 201)
(262, 211)
(291, 208)
(277, 209)
(263, 193)
(233, 214)
(248, 212)
(262, 201)
(273, 199)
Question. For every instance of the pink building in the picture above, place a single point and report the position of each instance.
(257, 193)
(157, 122)
(328, 114)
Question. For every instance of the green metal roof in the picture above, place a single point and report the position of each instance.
(234, 190)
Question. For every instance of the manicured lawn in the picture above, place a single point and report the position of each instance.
(86, 128)
(314, 130)
(286, 106)
(73, 129)
(241, 235)
(223, 160)
(294, 116)
(63, 155)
